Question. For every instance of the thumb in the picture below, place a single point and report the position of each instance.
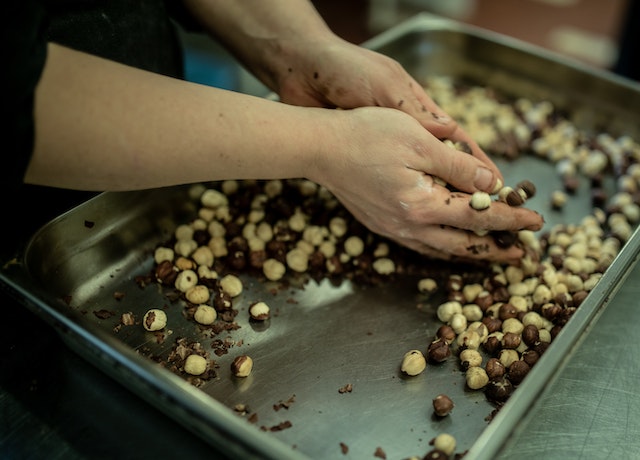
(463, 171)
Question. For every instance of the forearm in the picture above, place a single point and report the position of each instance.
(266, 36)
(104, 126)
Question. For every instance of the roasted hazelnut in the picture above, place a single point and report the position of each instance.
(494, 368)
(504, 238)
(232, 285)
(445, 443)
(446, 333)
(518, 371)
(530, 335)
(507, 311)
(527, 187)
(242, 366)
(470, 358)
(205, 314)
(413, 362)
(530, 357)
(221, 301)
(499, 390)
(514, 198)
(166, 273)
(492, 345)
(273, 269)
(493, 324)
(438, 351)
(442, 405)
(511, 340)
(198, 294)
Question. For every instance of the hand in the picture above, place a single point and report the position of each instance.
(343, 75)
(385, 175)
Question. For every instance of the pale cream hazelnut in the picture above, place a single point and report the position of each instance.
(256, 244)
(427, 285)
(338, 226)
(205, 314)
(183, 232)
(384, 266)
(458, 322)
(203, 255)
(198, 294)
(512, 325)
(471, 291)
(273, 269)
(206, 214)
(205, 272)
(472, 312)
(185, 280)
(259, 311)
(230, 186)
(471, 357)
(218, 246)
(476, 378)
(232, 285)
(446, 310)
(264, 231)
(185, 247)
(214, 199)
(480, 201)
(445, 443)
(305, 246)
(381, 250)
(198, 224)
(508, 356)
(313, 234)
(354, 246)
(298, 221)
(273, 188)
(162, 253)
(413, 362)
(216, 229)
(154, 320)
(195, 365)
(327, 248)
(297, 260)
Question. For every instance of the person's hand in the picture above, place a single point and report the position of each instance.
(383, 172)
(339, 74)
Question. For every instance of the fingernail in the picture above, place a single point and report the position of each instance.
(483, 179)
(442, 119)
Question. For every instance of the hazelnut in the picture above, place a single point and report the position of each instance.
(162, 254)
(446, 333)
(185, 280)
(198, 294)
(259, 311)
(470, 358)
(273, 269)
(438, 351)
(413, 363)
(518, 371)
(476, 378)
(154, 320)
(445, 442)
(205, 314)
(511, 340)
(242, 366)
(195, 365)
(494, 368)
(232, 285)
(166, 273)
(442, 405)
(480, 201)
(527, 187)
(427, 285)
(513, 198)
(530, 335)
(499, 390)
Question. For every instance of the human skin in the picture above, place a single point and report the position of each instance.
(105, 126)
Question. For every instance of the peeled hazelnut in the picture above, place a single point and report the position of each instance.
(232, 285)
(259, 311)
(476, 377)
(198, 294)
(445, 442)
(195, 365)
(154, 320)
(273, 269)
(242, 366)
(442, 405)
(480, 201)
(413, 363)
(205, 314)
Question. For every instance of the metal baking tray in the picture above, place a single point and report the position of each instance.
(324, 335)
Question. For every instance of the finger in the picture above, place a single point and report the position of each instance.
(454, 244)
(456, 211)
(465, 172)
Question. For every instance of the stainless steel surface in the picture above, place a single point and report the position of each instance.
(324, 336)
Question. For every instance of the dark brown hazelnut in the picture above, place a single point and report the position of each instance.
(257, 258)
(530, 335)
(457, 296)
(446, 333)
(492, 324)
(454, 283)
(498, 390)
(492, 345)
(541, 347)
(166, 273)
(507, 311)
(442, 405)
(220, 300)
(563, 299)
(504, 239)
(438, 351)
(578, 298)
(511, 340)
(518, 371)
(494, 368)
(514, 198)
(550, 310)
(484, 300)
(527, 187)
(530, 357)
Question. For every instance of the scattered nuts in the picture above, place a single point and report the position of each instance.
(413, 363)
(259, 311)
(442, 405)
(242, 366)
(195, 365)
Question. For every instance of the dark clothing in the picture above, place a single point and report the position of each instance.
(139, 33)
(628, 63)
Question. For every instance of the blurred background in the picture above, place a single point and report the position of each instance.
(590, 31)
